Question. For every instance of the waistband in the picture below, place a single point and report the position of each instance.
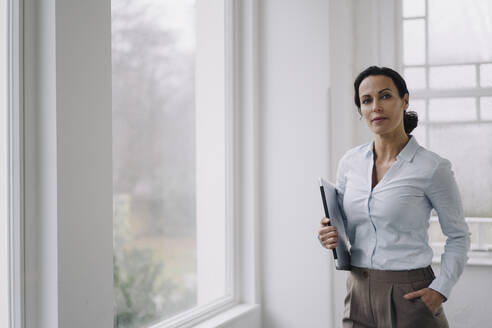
(402, 276)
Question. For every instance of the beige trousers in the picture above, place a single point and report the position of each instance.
(375, 299)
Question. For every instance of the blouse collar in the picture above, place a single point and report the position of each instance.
(407, 153)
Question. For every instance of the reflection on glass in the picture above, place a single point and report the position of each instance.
(153, 61)
(467, 146)
(452, 77)
(414, 42)
(460, 31)
(452, 109)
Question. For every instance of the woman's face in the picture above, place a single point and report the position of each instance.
(379, 98)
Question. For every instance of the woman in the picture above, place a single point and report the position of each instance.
(387, 189)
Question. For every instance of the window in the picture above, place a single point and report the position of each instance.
(67, 166)
(4, 181)
(169, 161)
(446, 58)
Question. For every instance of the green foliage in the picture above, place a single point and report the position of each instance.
(141, 295)
(137, 287)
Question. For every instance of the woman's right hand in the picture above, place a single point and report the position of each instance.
(328, 234)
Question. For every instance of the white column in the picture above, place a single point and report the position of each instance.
(68, 176)
(4, 235)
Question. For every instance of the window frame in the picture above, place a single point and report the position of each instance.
(15, 162)
(49, 222)
(476, 256)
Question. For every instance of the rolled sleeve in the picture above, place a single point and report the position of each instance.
(445, 197)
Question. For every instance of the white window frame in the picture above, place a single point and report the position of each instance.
(15, 163)
(478, 254)
(67, 248)
(381, 45)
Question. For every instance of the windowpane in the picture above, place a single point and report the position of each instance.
(473, 226)
(435, 233)
(414, 42)
(467, 146)
(415, 78)
(486, 108)
(452, 77)
(4, 214)
(460, 31)
(486, 230)
(452, 109)
(420, 134)
(418, 105)
(154, 160)
(486, 75)
(412, 8)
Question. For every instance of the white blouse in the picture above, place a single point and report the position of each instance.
(388, 226)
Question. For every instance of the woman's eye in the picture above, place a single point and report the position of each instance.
(365, 101)
(386, 96)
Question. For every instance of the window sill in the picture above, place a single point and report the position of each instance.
(241, 315)
(474, 260)
(223, 314)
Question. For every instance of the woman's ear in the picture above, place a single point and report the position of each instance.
(405, 101)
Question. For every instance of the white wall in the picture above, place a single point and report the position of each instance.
(306, 48)
(294, 101)
(469, 303)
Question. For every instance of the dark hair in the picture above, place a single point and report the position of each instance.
(410, 118)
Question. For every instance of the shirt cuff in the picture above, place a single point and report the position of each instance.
(441, 286)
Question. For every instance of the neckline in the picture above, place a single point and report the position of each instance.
(386, 173)
(407, 153)
(385, 177)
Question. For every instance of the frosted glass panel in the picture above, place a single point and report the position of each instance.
(154, 150)
(452, 77)
(415, 78)
(486, 75)
(414, 42)
(420, 134)
(435, 233)
(452, 109)
(468, 148)
(418, 105)
(487, 235)
(486, 108)
(412, 8)
(460, 31)
(473, 226)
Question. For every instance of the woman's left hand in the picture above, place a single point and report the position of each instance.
(431, 298)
